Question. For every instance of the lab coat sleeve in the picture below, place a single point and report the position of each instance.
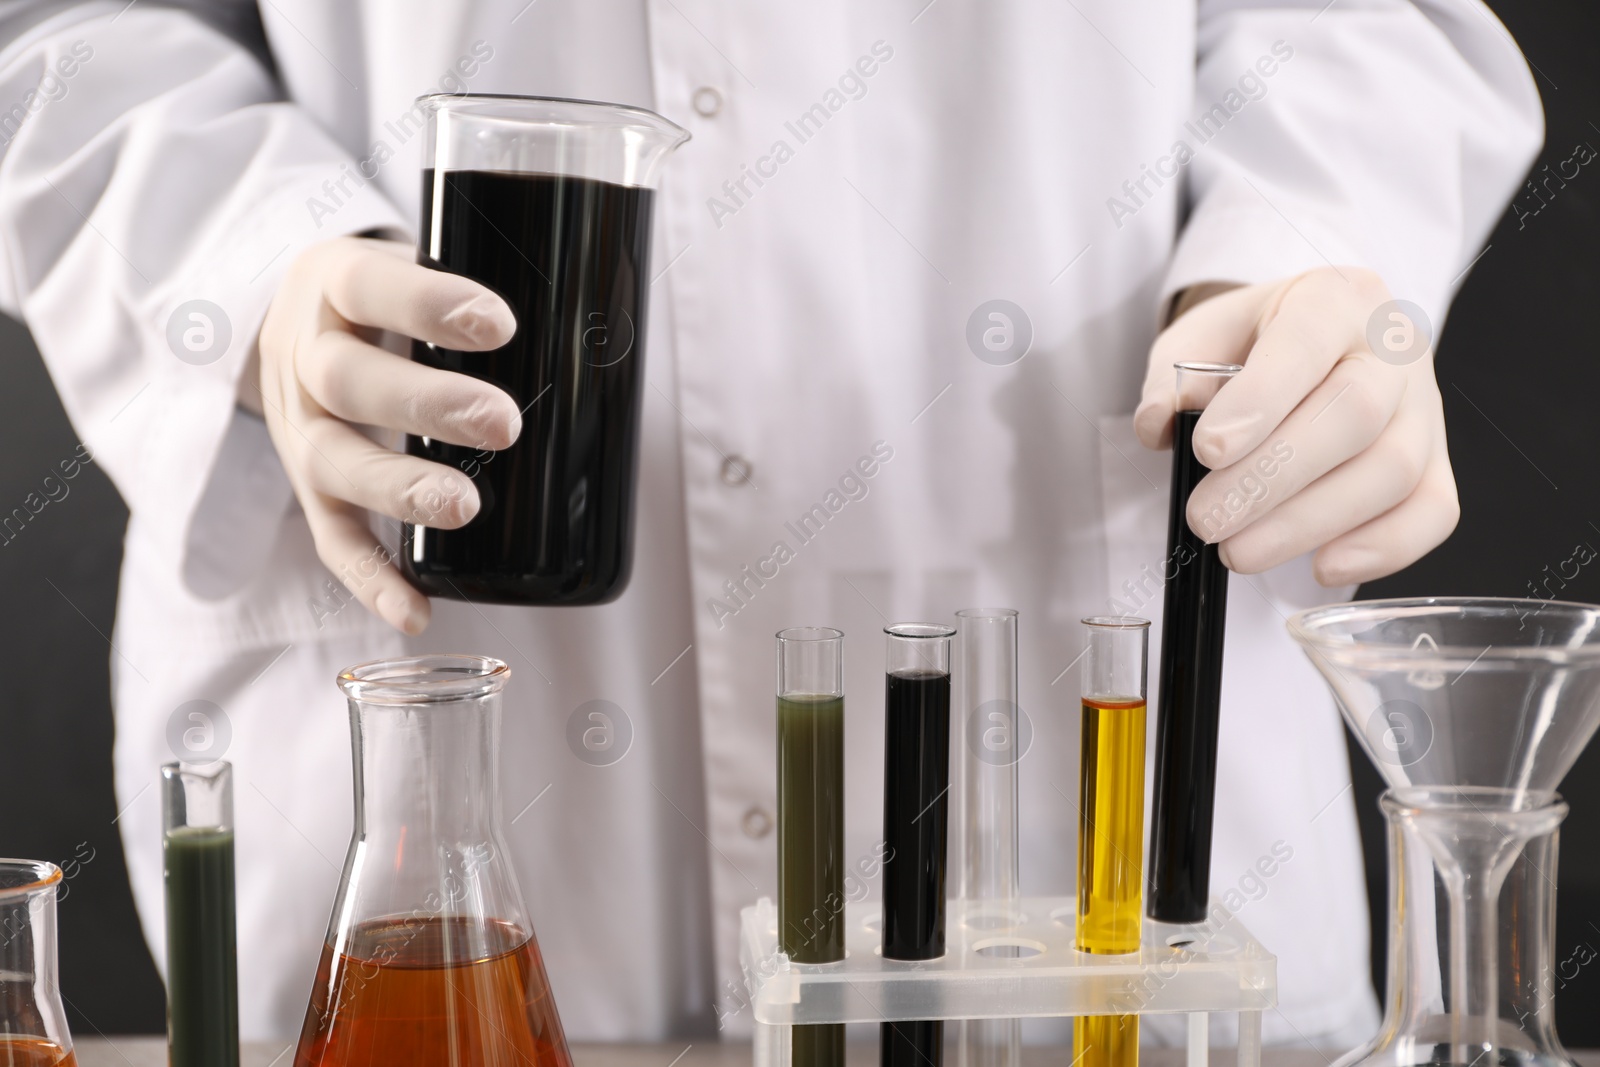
(154, 186)
(1384, 134)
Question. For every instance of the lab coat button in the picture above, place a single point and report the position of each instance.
(736, 470)
(707, 101)
(757, 823)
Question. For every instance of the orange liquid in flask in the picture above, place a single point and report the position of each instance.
(34, 1052)
(430, 992)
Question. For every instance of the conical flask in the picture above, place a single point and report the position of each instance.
(430, 957)
(33, 1027)
(1473, 710)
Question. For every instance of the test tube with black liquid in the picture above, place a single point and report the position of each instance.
(1189, 703)
(811, 818)
(916, 798)
(202, 945)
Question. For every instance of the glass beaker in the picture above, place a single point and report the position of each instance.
(1473, 710)
(548, 203)
(33, 1026)
(430, 957)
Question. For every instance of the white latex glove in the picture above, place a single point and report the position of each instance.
(319, 375)
(1317, 443)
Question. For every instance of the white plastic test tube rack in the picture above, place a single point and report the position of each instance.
(993, 969)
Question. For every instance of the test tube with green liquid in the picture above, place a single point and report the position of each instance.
(202, 953)
(811, 817)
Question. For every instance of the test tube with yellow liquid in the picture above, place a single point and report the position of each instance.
(1111, 820)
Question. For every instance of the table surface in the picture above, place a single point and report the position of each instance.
(152, 1052)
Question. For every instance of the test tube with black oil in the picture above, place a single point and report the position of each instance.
(1190, 700)
(916, 798)
(202, 952)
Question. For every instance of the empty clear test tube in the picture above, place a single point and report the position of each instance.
(202, 953)
(1190, 696)
(811, 817)
(916, 798)
(1111, 820)
(985, 743)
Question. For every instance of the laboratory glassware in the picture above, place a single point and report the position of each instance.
(811, 863)
(1473, 710)
(1190, 698)
(1111, 819)
(33, 1026)
(548, 203)
(202, 941)
(430, 957)
(984, 744)
(916, 798)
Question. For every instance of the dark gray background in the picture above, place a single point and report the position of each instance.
(1520, 375)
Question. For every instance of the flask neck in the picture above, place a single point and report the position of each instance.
(427, 788)
(1471, 925)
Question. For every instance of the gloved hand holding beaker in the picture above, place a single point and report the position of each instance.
(320, 374)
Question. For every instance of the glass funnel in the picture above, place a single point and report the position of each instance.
(548, 203)
(430, 957)
(1473, 710)
(33, 1026)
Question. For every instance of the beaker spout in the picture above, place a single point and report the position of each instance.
(544, 135)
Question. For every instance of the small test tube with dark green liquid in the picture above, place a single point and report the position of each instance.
(811, 859)
(202, 953)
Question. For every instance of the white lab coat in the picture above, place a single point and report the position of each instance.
(798, 323)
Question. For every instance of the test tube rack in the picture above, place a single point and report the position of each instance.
(1020, 965)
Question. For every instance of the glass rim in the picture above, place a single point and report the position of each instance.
(503, 105)
(209, 770)
(430, 678)
(1224, 370)
(987, 613)
(1529, 805)
(919, 631)
(808, 634)
(43, 875)
(1116, 622)
(1311, 628)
